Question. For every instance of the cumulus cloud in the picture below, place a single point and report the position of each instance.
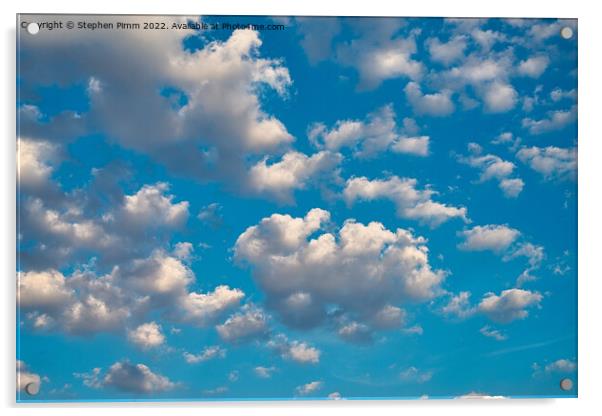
(561, 366)
(317, 36)
(363, 270)
(378, 132)
(446, 52)
(496, 238)
(150, 206)
(411, 203)
(35, 162)
(556, 120)
(493, 167)
(300, 352)
(309, 388)
(249, 324)
(135, 378)
(500, 97)
(209, 353)
(85, 303)
(61, 230)
(551, 162)
(294, 171)
(202, 309)
(458, 306)
(534, 66)
(148, 335)
(264, 372)
(219, 119)
(437, 104)
(380, 53)
(509, 305)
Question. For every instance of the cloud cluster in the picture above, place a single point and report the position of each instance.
(551, 162)
(294, 171)
(362, 270)
(198, 112)
(378, 132)
(411, 203)
(127, 377)
(148, 335)
(503, 241)
(380, 52)
(85, 303)
(509, 305)
(496, 238)
(309, 388)
(209, 353)
(493, 167)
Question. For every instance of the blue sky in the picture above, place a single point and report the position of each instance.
(345, 208)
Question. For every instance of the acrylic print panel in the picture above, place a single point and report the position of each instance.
(236, 208)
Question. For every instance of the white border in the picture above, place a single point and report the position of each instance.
(590, 137)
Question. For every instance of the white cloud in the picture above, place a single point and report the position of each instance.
(300, 352)
(35, 160)
(487, 38)
(534, 255)
(500, 97)
(379, 54)
(496, 238)
(494, 167)
(147, 335)
(411, 203)
(458, 306)
(207, 137)
(42, 290)
(558, 94)
(159, 274)
(183, 251)
(512, 187)
(551, 162)
(414, 375)
(418, 145)
(355, 332)
(561, 366)
(437, 104)
(135, 378)
(209, 353)
(376, 133)
(534, 66)
(556, 120)
(202, 309)
(294, 171)
(493, 333)
(85, 303)
(150, 206)
(264, 372)
(25, 377)
(363, 270)
(249, 324)
(446, 52)
(510, 305)
(309, 388)
(211, 215)
(335, 395)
